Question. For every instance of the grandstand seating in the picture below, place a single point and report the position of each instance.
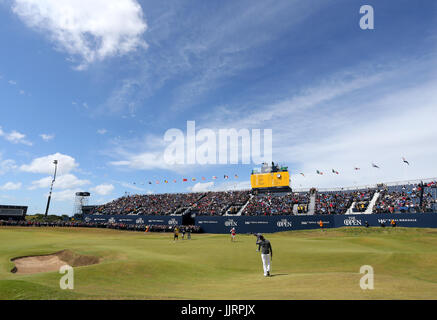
(218, 203)
(383, 199)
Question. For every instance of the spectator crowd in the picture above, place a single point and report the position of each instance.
(390, 200)
(218, 203)
(105, 225)
(280, 204)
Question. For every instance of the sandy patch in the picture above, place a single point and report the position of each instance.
(51, 262)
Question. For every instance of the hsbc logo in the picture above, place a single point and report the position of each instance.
(112, 220)
(230, 223)
(352, 221)
(284, 223)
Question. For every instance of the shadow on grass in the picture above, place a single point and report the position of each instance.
(279, 274)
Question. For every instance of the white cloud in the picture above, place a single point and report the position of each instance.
(140, 154)
(11, 186)
(201, 187)
(64, 195)
(45, 164)
(15, 137)
(131, 186)
(143, 161)
(230, 185)
(47, 137)
(7, 165)
(102, 131)
(103, 189)
(92, 30)
(12, 82)
(65, 181)
(384, 136)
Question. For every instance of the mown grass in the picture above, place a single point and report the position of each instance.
(306, 265)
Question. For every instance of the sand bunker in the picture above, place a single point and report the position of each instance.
(51, 262)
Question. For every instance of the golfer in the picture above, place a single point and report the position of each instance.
(189, 233)
(233, 233)
(176, 234)
(266, 254)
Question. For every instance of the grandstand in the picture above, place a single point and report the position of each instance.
(411, 197)
(15, 213)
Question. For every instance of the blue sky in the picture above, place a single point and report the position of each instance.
(96, 84)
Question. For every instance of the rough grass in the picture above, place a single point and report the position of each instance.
(306, 265)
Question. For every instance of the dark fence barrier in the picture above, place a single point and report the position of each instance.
(417, 220)
(147, 220)
(271, 224)
(262, 224)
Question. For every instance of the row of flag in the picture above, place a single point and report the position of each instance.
(355, 168)
(225, 177)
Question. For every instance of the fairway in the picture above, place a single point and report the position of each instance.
(306, 265)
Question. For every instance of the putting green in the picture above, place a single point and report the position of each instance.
(306, 265)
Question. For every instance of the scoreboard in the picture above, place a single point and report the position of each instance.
(270, 180)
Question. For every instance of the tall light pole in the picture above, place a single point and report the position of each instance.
(51, 187)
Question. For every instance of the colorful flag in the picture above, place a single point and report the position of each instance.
(375, 166)
(226, 177)
(334, 171)
(214, 177)
(184, 180)
(203, 178)
(193, 179)
(319, 172)
(356, 168)
(302, 174)
(236, 176)
(165, 181)
(404, 160)
(174, 180)
(157, 182)
(150, 182)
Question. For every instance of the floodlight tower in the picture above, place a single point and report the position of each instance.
(55, 162)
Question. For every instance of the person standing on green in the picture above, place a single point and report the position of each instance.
(266, 254)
